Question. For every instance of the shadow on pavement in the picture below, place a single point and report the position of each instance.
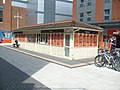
(11, 78)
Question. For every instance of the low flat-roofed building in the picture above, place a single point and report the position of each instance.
(67, 39)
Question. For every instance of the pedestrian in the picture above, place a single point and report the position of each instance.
(16, 42)
(113, 45)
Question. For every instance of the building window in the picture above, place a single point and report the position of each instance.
(81, 19)
(1, 13)
(81, 14)
(82, 1)
(107, 1)
(81, 5)
(89, 4)
(107, 11)
(89, 13)
(106, 17)
(89, 19)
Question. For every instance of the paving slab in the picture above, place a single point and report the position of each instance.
(12, 78)
(32, 72)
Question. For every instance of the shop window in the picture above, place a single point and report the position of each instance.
(38, 38)
(84, 40)
(43, 38)
(58, 39)
(95, 40)
(52, 39)
(80, 40)
(88, 40)
(49, 39)
(61, 40)
(76, 43)
(91, 40)
(46, 38)
(30, 37)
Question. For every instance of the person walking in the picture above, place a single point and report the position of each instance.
(113, 44)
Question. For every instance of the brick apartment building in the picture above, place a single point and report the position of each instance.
(9, 13)
(103, 13)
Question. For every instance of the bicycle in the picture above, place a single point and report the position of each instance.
(105, 58)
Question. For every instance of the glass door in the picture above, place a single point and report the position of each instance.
(67, 45)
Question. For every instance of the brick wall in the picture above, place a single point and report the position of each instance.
(7, 15)
(115, 10)
(22, 18)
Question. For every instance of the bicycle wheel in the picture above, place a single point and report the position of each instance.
(99, 61)
(116, 65)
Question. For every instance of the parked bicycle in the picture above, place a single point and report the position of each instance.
(105, 58)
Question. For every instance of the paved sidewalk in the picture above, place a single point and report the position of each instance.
(12, 78)
(19, 71)
(57, 60)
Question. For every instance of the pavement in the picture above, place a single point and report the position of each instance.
(53, 59)
(20, 71)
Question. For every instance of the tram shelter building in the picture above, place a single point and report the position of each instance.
(66, 39)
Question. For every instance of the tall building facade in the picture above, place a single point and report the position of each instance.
(41, 11)
(19, 13)
(5, 15)
(97, 11)
(12, 14)
(103, 13)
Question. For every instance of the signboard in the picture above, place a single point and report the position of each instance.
(5, 36)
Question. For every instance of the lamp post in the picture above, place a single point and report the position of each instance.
(18, 17)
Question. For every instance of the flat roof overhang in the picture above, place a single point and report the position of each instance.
(107, 25)
(60, 25)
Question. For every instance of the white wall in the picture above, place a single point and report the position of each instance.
(84, 52)
(77, 53)
(45, 49)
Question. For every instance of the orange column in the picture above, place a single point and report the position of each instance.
(99, 10)
(74, 10)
